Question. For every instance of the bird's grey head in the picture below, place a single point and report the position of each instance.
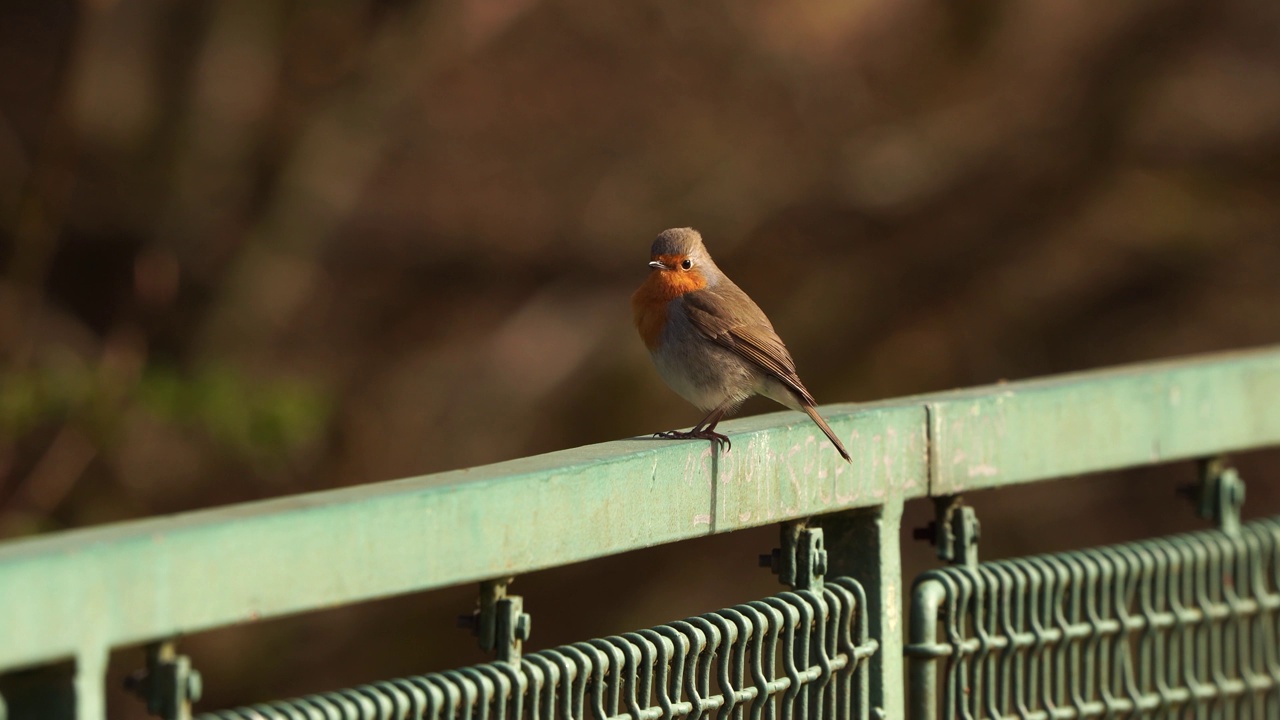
(682, 248)
(677, 241)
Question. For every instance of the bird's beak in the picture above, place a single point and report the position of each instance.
(656, 265)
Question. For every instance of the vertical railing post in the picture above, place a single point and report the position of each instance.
(91, 683)
(69, 690)
(44, 692)
(865, 544)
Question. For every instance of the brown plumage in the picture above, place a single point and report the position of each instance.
(710, 342)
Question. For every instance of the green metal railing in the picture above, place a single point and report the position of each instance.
(68, 599)
(793, 655)
(1184, 626)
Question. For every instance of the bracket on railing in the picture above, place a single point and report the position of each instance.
(801, 561)
(168, 683)
(500, 623)
(1219, 495)
(955, 532)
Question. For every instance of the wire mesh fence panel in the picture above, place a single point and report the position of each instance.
(1178, 627)
(794, 656)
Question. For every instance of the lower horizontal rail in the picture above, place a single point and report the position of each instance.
(778, 657)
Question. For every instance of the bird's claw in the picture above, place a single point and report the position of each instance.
(721, 441)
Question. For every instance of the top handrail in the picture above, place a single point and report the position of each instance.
(82, 591)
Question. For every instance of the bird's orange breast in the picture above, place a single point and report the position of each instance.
(649, 303)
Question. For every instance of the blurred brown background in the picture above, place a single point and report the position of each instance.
(261, 247)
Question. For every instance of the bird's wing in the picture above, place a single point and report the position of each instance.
(729, 318)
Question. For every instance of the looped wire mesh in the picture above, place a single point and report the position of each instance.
(1182, 626)
(793, 656)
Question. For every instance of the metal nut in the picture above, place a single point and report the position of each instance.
(820, 562)
(195, 686)
(524, 626)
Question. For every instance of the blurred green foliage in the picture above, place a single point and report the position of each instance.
(263, 421)
(244, 416)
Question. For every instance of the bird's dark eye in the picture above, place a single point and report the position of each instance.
(686, 264)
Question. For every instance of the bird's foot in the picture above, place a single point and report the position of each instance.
(721, 441)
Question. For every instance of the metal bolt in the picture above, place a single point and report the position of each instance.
(135, 681)
(928, 532)
(773, 561)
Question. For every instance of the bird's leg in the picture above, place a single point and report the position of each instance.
(704, 430)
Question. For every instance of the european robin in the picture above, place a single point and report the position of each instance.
(711, 343)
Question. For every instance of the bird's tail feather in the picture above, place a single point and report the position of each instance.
(831, 435)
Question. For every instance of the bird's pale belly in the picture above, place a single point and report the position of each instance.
(708, 376)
